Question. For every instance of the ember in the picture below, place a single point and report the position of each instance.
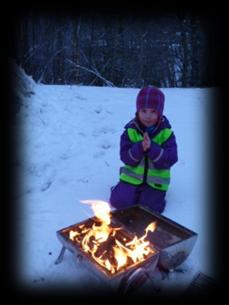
(111, 247)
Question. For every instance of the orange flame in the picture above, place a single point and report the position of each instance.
(107, 247)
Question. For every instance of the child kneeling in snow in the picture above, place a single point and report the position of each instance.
(148, 149)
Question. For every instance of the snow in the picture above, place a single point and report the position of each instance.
(71, 140)
(24, 84)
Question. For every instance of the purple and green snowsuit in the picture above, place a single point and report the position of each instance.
(145, 177)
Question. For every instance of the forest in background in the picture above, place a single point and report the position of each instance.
(166, 50)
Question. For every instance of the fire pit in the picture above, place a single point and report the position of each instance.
(174, 241)
(123, 247)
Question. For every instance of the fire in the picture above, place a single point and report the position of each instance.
(111, 247)
(101, 209)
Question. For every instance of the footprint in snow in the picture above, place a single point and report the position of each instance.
(106, 146)
(64, 156)
(107, 164)
(106, 130)
(98, 110)
(80, 98)
(83, 180)
(42, 279)
(99, 154)
(46, 186)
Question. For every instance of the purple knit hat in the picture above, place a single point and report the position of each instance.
(151, 97)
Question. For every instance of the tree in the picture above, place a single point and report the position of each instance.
(132, 51)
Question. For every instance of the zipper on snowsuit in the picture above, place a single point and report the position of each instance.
(146, 163)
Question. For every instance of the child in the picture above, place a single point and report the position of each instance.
(148, 149)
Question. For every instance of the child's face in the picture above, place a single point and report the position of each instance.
(148, 116)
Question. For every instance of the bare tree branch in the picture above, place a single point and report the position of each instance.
(49, 61)
(110, 84)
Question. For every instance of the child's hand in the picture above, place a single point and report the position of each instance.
(146, 142)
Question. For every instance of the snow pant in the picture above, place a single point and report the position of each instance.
(124, 195)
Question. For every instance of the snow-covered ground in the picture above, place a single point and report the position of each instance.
(70, 146)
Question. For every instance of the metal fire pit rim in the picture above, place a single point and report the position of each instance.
(161, 217)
